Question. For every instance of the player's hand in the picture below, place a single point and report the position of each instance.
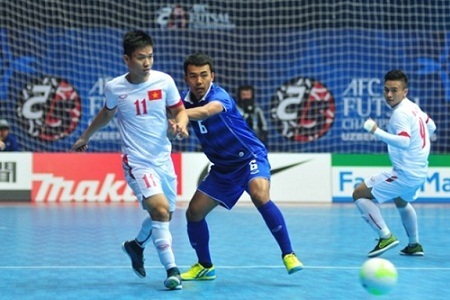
(176, 130)
(370, 125)
(80, 146)
(2, 146)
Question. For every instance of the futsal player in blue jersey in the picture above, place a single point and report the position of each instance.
(239, 161)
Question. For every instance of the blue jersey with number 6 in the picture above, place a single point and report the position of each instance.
(226, 138)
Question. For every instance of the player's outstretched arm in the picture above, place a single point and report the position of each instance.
(101, 119)
(205, 111)
(399, 141)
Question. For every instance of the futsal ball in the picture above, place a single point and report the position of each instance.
(378, 276)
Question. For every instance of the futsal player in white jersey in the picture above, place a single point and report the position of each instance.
(408, 142)
(141, 99)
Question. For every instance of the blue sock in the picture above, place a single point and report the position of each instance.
(275, 222)
(198, 233)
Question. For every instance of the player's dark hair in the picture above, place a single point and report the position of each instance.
(198, 59)
(397, 75)
(136, 39)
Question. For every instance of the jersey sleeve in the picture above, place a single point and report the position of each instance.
(398, 141)
(223, 97)
(173, 96)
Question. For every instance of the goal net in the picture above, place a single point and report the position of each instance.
(317, 66)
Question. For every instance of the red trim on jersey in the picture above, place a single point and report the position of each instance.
(155, 95)
(177, 104)
(125, 161)
(404, 133)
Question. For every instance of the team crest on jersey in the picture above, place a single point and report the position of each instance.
(154, 95)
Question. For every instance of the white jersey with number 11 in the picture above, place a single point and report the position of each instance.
(141, 115)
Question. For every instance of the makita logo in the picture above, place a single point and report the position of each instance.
(57, 189)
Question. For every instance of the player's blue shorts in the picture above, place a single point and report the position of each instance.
(227, 184)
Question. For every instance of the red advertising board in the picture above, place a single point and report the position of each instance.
(83, 177)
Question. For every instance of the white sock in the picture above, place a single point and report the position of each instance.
(144, 234)
(409, 220)
(162, 239)
(372, 215)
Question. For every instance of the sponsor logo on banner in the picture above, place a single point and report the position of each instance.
(15, 176)
(8, 171)
(82, 177)
(274, 171)
(345, 179)
(438, 183)
(49, 108)
(198, 16)
(295, 177)
(303, 109)
(348, 171)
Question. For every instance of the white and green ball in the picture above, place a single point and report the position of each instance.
(378, 276)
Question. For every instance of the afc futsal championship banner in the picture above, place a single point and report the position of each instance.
(315, 95)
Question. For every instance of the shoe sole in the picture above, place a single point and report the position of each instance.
(126, 252)
(412, 254)
(173, 283)
(203, 278)
(295, 270)
(381, 251)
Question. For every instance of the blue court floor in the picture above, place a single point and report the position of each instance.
(73, 251)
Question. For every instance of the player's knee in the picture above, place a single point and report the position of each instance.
(188, 215)
(194, 214)
(160, 213)
(258, 202)
(259, 197)
(356, 195)
(361, 191)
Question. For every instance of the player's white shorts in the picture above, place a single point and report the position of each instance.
(146, 180)
(390, 185)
